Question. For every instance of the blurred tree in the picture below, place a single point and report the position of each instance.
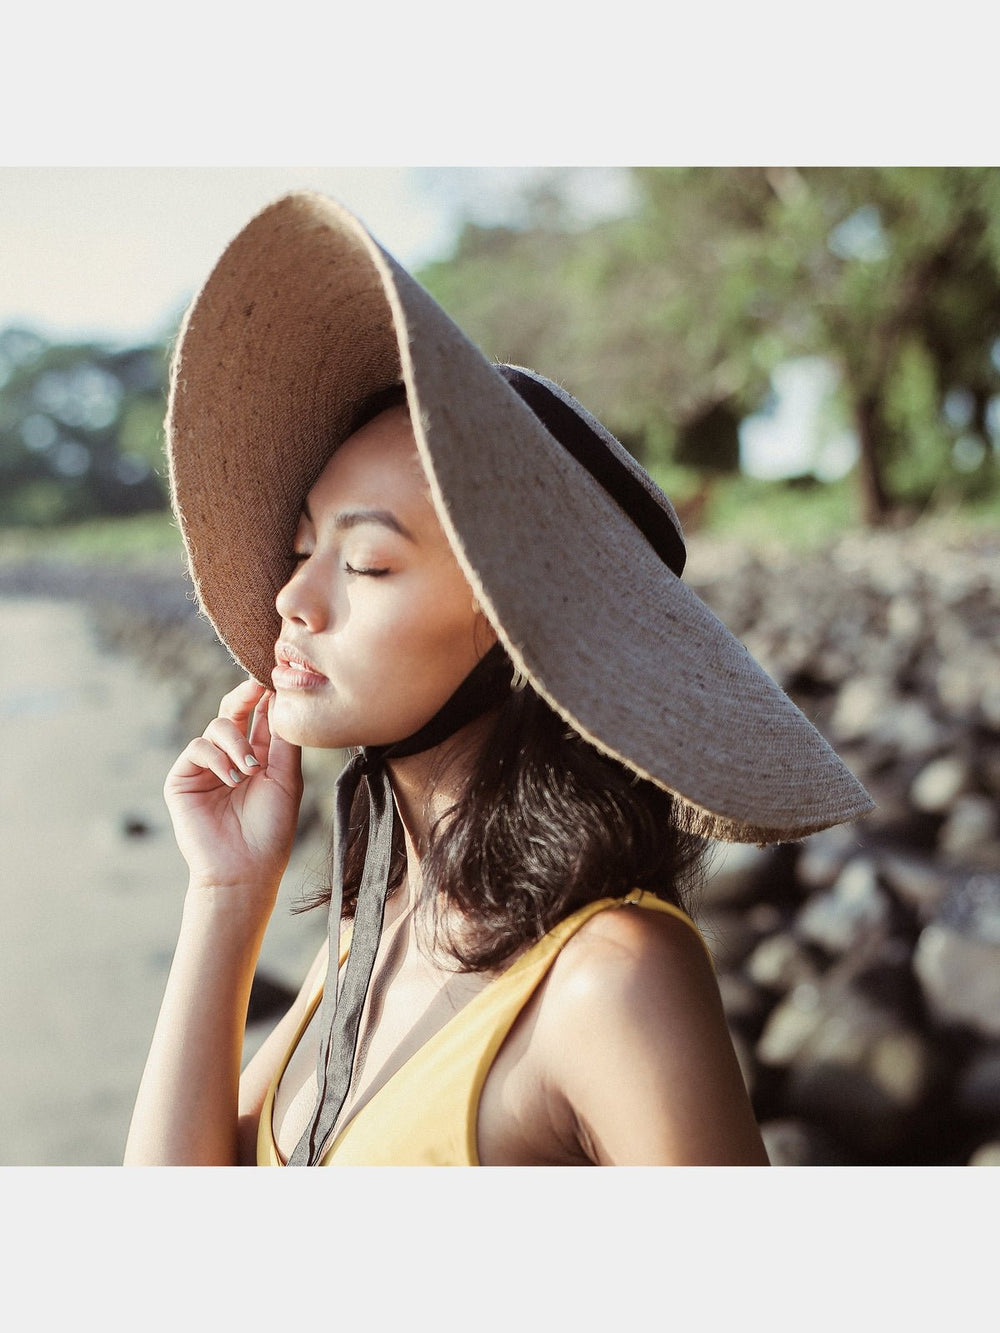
(80, 429)
(894, 274)
(670, 321)
(618, 313)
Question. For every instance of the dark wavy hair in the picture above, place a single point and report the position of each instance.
(545, 824)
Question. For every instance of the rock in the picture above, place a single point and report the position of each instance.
(910, 729)
(879, 970)
(915, 881)
(745, 1007)
(989, 767)
(729, 937)
(764, 918)
(960, 978)
(971, 829)
(861, 704)
(824, 855)
(746, 1061)
(989, 701)
(951, 632)
(840, 918)
(987, 1154)
(973, 906)
(862, 1073)
(790, 1025)
(938, 784)
(905, 620)
(780, 962)
(966, 685)
(792, 1142)
(901, 1065)
(733, 872)
(957, 957)
(977, 1088)
(869, 708)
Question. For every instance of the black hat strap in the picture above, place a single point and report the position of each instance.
(584, 444)
(340, 1017)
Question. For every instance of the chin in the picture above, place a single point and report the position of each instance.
(302, 726)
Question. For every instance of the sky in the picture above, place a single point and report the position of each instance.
(117, 252)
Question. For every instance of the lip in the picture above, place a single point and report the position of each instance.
(293, 670)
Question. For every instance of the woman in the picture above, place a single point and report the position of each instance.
(452, 566)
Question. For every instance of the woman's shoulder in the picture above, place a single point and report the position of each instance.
(628, 975)
(635, 1046)
(628, 950)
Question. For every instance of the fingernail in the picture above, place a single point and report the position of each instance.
(236, 777)
(252, 761)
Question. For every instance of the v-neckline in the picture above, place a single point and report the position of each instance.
(636, 897)
(476, 1000)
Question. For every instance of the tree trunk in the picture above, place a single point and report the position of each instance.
(981, 427)
(871, 441)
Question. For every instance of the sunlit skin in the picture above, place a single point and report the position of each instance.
(379, 625)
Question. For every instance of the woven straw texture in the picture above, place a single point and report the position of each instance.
(302, 318)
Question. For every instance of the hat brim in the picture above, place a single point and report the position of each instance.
(305, 316)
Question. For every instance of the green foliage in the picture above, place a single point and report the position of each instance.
(786, 513)
(140, 431)
(669, 323)
(680, 312)
(79, 430)
(151, 538)
(915, 470)
(796, 514)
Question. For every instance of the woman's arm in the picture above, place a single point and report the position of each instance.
(256, 1078)
(234, 803)
(639, 1049)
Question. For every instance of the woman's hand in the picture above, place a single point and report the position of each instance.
(233, 797)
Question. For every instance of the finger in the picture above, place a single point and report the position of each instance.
(201, 756)
(240, 702)
(284, 760)
(232, 739)
(260, 728)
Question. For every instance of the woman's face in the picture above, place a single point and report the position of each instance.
(379, 626)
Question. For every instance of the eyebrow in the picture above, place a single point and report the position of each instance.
(352, 518)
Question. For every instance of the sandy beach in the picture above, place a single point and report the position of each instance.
(92, 885)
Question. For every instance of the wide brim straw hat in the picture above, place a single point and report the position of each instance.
(303, 318)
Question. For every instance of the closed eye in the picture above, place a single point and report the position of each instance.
(369, 572)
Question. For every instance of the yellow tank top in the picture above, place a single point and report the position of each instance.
(426, 1113)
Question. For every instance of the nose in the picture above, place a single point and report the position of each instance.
(302, 601)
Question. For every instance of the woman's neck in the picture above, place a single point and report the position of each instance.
(426, 786)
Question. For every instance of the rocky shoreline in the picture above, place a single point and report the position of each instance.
(860, 969)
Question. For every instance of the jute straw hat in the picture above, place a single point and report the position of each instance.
(303, 318)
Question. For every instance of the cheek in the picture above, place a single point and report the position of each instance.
(422, 646)
(419, 618)
(396, 656)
